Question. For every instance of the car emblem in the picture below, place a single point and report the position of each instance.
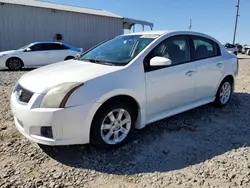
(19, 93)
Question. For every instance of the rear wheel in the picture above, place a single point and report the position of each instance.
(69, 57)
(235, 53)
(224, 93)
(112, 125)
(14, 64)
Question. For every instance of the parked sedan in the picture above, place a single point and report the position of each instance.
(37, 54)
(245, 49)
(120, 85)
(231, 48)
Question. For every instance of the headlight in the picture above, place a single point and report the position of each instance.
(57, 97)
(2, 55)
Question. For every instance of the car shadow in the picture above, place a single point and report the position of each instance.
(23, 69)
(174, 143)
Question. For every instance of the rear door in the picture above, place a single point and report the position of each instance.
(209, 63)
(56, 52)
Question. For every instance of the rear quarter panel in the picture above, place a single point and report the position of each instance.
(230, 66)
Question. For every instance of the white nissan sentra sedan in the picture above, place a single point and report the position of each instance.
(121, 85)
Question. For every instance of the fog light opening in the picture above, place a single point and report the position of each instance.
(46, 132)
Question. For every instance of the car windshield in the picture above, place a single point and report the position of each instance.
(24, 47)
(118, 51)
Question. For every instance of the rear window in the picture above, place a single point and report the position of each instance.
(204, 48)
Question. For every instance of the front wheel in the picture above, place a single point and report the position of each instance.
(14, 64)
(224, 93)
(112, 125)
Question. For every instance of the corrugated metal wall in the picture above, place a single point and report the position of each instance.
(20, 25)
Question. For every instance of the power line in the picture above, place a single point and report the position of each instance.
(236, 20)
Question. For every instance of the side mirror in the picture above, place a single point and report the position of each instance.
(27, 50)
(160, 61)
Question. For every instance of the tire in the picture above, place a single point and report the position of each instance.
(112, 129)
(235, 53)
(69, 57)
(14, 64)
(221, 99)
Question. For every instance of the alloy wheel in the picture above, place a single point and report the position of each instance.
(225, 92)
(116, 126)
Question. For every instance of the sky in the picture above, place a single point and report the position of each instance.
(213, 17)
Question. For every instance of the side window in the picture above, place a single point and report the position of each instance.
(57, 47)
(37, 47)
(175, 48)
(46, 47)
(204, 48)
(63, 47)
(51, 46)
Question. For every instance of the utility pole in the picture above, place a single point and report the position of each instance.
(236, 20)
(190, 24)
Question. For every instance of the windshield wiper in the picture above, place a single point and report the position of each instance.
(100, 62)
(92, 60)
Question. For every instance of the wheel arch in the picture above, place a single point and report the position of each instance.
(227, 76)
(13, 57)
(69, 57)
(127, 99)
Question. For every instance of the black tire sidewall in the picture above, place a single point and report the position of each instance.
(69, 58)
(217, 99)
(9, 61)
(95, 134)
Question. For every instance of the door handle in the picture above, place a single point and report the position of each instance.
(190, 73)
(219, 65)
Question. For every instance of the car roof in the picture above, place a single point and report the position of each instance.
(47, 42)
(165, 32)
(160, 32)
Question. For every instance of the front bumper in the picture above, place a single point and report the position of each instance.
(69, 125)
(3, 62)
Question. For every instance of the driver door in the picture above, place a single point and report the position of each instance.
(172, 86)
(35, 56)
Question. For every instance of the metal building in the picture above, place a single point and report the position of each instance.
(26, 21)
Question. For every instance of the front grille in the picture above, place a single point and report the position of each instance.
(23, 95)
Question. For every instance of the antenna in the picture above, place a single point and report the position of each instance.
(190, 24)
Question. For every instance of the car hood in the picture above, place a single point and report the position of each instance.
(42, 79)
(9, 52)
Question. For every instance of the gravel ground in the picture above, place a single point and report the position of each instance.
(204, 147)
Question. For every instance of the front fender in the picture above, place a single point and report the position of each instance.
(141, 120)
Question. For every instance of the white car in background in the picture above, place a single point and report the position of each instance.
(231, 48)
(37, 54)
(246, 50)
(121, 85)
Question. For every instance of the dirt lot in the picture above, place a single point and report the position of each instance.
(204, 147)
